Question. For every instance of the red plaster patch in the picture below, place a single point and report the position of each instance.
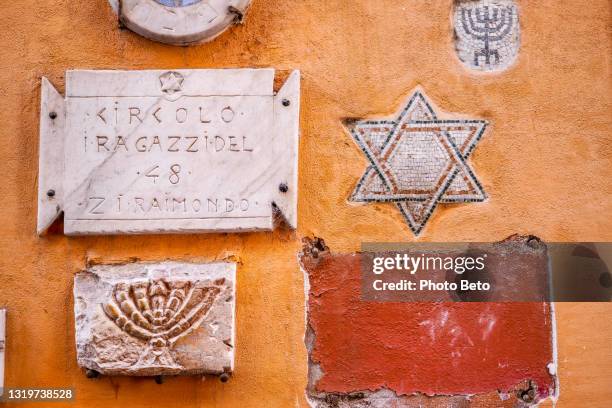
(431, 348)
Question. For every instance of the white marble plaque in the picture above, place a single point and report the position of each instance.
(168, 151)
(146, 319)
(180, 22)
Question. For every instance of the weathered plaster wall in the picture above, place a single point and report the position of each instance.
(545, 163)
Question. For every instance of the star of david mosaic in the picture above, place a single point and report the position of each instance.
(418, 161)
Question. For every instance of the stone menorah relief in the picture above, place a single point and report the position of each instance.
(169, 151)
(152, 319)
(180, 22)
(487, 33)
(159, 312)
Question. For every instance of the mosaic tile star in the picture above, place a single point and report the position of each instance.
(418, 161)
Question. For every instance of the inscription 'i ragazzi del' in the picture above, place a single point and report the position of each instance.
(207, 141)
(178, 150)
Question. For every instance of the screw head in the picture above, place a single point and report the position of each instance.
(224, 377)
(286, 102)
(51, 193)
(53, 115)
(605, 280)
(91, 373)
(533, 242)
(283, 187)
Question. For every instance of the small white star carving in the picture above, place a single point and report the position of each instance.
(171, 82)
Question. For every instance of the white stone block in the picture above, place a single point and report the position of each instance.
(146, 319)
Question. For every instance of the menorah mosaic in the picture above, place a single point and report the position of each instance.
(418, 161)
(149, 319)
(487, 33)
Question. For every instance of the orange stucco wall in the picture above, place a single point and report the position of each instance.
(545, 163)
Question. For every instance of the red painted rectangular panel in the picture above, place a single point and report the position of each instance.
(431, 348)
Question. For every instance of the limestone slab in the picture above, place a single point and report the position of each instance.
(145, 319)
(168, 151)
(180, 22)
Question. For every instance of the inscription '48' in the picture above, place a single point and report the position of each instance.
(174, 176)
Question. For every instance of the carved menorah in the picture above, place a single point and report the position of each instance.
(488, 26)
(159, 312)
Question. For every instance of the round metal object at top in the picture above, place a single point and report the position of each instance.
(177, 3)
(180, 22)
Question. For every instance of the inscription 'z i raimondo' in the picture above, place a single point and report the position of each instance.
(168, 151)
